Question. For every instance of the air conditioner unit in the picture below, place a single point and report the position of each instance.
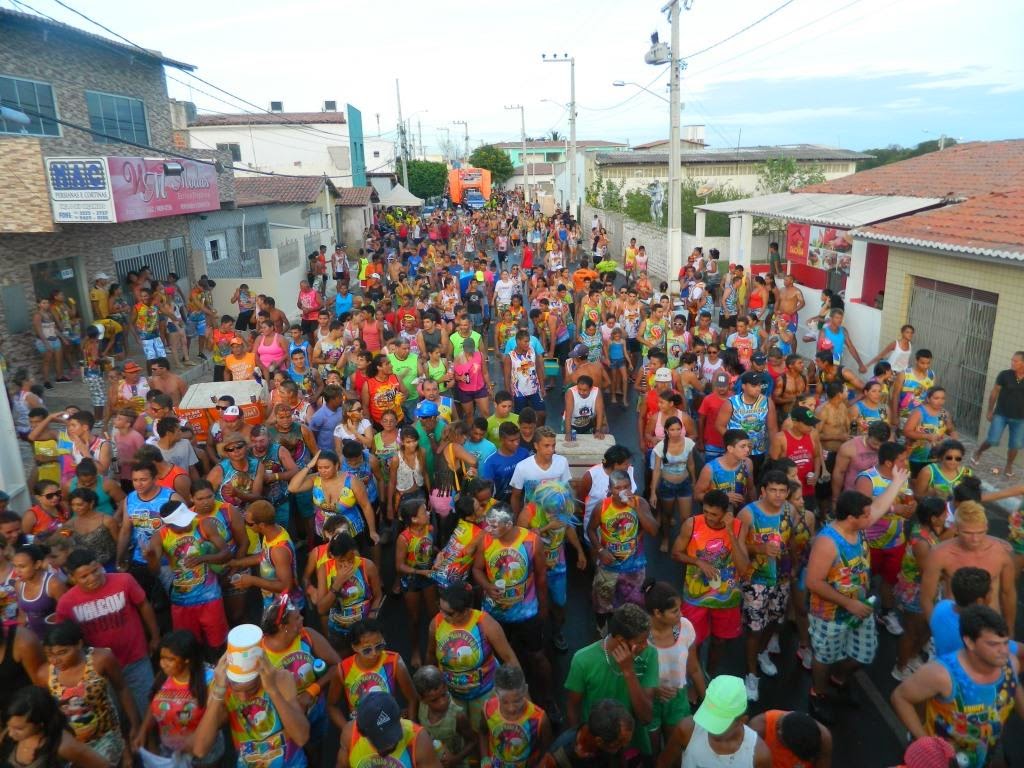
(277, 106)
(330, 106)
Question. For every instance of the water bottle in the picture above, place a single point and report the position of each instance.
(319, 666)
(854, 621)
(962, 760)
(572, 434)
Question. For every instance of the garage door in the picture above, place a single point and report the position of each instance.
(956, 324)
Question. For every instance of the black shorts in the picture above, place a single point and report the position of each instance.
(308, 326)
(242, 321)
(525, 636)
(634, 346)
(218, 373)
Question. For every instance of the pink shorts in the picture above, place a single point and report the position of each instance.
(719, 623)
(206, 621)
(887, 562)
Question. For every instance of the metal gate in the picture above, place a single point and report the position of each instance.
(162, 257)
(956, 324)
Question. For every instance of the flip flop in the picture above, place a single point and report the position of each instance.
(1009, 475)
(995, 471)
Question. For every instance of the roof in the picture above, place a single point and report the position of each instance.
(401, 197)
(560, 144)
(66, 30)
(659, 142)
(805, 152)
(271, 190)
(270, 118)
(827, 210)
(989, 225)
(535, 169)
(356, 197)
(956, 173)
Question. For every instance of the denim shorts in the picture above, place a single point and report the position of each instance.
(999, 425)
(669, 490)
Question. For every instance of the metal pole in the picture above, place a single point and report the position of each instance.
(447, 141)
(675, 224)
(572, 138)
(402, 138)
(465, 125)
(522, 158)
(419, 129)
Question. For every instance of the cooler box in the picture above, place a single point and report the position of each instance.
(583, 453)
(198, 404)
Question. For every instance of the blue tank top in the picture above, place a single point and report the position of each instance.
(752, 418)
(728, 480)
(145, 520)
(364, 473)
(104, 504)
(838, 341)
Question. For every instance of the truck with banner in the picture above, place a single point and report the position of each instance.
(470, 187)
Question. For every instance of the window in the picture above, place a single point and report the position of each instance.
(376, 153)
(119, 116)
(216, 248)
(552, 157)
(234, 149)
(33, 99)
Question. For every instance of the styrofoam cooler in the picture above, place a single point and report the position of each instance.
(199, 403)
(583, 453)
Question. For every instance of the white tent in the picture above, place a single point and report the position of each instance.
(400, 197)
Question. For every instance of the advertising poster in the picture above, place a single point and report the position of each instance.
(829, 249)
(797, 239)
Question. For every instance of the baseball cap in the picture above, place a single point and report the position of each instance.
(751, 377)
(100, 329)
(929, 752)
(231, 412)
(580, 350)
(426, 409)
(101, 276)
(804, 415)
(237, 340)
(180, 517)
(379, 720)
(720, 380)
(663, 374)
(759, 359)
(724, 701)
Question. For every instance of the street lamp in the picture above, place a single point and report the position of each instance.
(622, 83)
(526, 168)
(572, 122)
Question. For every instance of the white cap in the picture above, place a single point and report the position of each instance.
(101, 276)
(663, 374)
(181, 517)
(232, 410)
(100, 328)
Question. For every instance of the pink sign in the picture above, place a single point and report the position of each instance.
(142, 188)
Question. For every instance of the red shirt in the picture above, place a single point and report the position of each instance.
(109, 617)
(709, 408)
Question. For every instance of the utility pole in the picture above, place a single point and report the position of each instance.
(447, 141)
(573, 193)
(378, 124)
(522, 133)
(675, 215)
(465, 126)
(402, 139)
(419, 130)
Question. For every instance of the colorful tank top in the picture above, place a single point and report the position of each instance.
(729, 480)
(1016, 533)
(365, 473)
(385, 452)
(512, 563)
(512, 741)
(9, 599)
(865, 416)
(910, 569)
(362, 754)
(419, 548)
(88, 705)
(765, 528)
(275, 493)
(189, 586)
(177, 712)
(269, 572)
(973, 715)
(849, 575)
(620, 534)
(346, 506)
(553, 539)
(235, 480)
(358, 682)
(912, 392)
(794, 557)
(222, 345)
(752, 418)
(352, 603)
(296, 659)
(45, 522)
(887, 532)
(942, 485)
(292, 442)
(258, 733)
(654, 334)
(145, 520)
(465, 657)
(456, 558)
(712, 546)
(937, 424)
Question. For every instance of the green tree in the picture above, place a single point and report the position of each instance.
(427, 179)
(782, 174)
(894, 153)
(638, 205)
(700, 192)
(494, 160)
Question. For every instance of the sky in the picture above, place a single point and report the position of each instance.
(849, 73)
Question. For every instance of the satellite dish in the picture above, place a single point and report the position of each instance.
(705, 189)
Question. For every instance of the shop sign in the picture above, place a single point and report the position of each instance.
(80, 190)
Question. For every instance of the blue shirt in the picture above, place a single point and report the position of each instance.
(945, 626)
(498, 468)
(767, 386)
(481, 450)
(322, 426)
(342, 304)
(534, 345)
(464, 278)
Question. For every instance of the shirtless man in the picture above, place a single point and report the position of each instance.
(788, 302)
(594, 369)
(790, 386)
(160, 377)
(972, 546)
(857, 455)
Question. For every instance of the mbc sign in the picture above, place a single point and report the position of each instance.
(119, 189)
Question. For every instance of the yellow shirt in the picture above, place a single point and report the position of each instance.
(100, 299)
(110, 328)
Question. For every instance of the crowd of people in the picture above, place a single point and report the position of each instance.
(202, 592)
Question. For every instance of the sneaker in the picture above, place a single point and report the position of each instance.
(751, 682)
(63, 379)
(48, 384)
(773, 645)
(806, 657)
(891, 623)
(821, 709)
(558, 640)
(764, 661)
(202, 356)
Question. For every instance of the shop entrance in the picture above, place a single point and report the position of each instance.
(59, 275)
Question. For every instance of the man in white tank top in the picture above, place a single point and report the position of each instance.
(717, 735)
(593, 486)
(584, 410)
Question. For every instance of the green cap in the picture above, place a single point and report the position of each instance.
(725, 700)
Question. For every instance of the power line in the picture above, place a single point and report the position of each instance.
(737, 33)
(627, 99)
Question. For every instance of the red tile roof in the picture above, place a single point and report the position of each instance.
(274, 190)
(356, 197)
(957, 173)
(270, 118)
(988, 225)
(560, 144)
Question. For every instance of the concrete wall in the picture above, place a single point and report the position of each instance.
(740, 176)
(25, 201)
(284, 288)
(283, 148)
(353, 222)
(862, 322)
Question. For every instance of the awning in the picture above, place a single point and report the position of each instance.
(828, 210)
(400, 197)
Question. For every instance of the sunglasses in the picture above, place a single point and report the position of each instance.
(372, 650)
(222, 407)
(53, 495)
(953, 457)
(238, 447)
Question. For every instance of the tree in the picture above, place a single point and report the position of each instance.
(638, 205)
(494, 160)
(894, 153)
(427, 179)
(782, 174)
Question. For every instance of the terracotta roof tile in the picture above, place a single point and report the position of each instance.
(957, 173)
(560, 144)
(987, 225)
(271, 190)
(271, 118)
(356, 197)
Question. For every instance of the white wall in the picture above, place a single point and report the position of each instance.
(386, 150)
(744, 182)
(12, 470)
(283, 149)
(284, 288)
(863, 323)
